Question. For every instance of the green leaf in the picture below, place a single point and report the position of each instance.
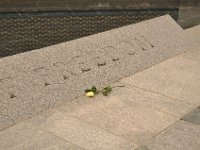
(106, 90)
(105, 93)
(88, 90)
(94, 89)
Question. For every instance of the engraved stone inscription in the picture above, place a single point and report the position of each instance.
(142, 41)
(45, 77)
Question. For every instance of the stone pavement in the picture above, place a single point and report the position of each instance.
(155, 109)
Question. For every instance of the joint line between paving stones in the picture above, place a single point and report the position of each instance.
(66, 115)
(124, 84)
(149, 140)
(96, 126)
(176, 116)
(179, 118)
(167, 128)
(162, 131)
(173, 115)
(34, 115)
(150, 91)
(66, 141)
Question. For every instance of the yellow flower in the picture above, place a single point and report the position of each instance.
(90, 94)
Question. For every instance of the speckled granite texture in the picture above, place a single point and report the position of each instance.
(34, 81)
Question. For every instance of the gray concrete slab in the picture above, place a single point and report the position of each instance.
(193, 117)
(43, 78)
(180, 136)
(25, 136)
(177, 78)
(155, 101)
(128, 113)
(80, 133)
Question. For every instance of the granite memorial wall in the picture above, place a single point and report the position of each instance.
(37, 80)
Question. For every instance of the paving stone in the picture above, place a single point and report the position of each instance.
(181, 136)
(192, 35)
(125, 113)
(80, 133)
(43, 78)
(24, 136)
(165, 104)
(177, 77)
(6, 121)
(193, 54)
(193, 117)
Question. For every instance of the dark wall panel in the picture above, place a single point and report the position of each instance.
(35, 30)
(69, 5)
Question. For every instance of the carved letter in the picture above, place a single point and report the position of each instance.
(143, 42)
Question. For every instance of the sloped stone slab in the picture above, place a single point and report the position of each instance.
(192, 35)
(177, 77)
(36, 80)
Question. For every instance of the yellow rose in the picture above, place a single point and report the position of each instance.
(90, 94)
